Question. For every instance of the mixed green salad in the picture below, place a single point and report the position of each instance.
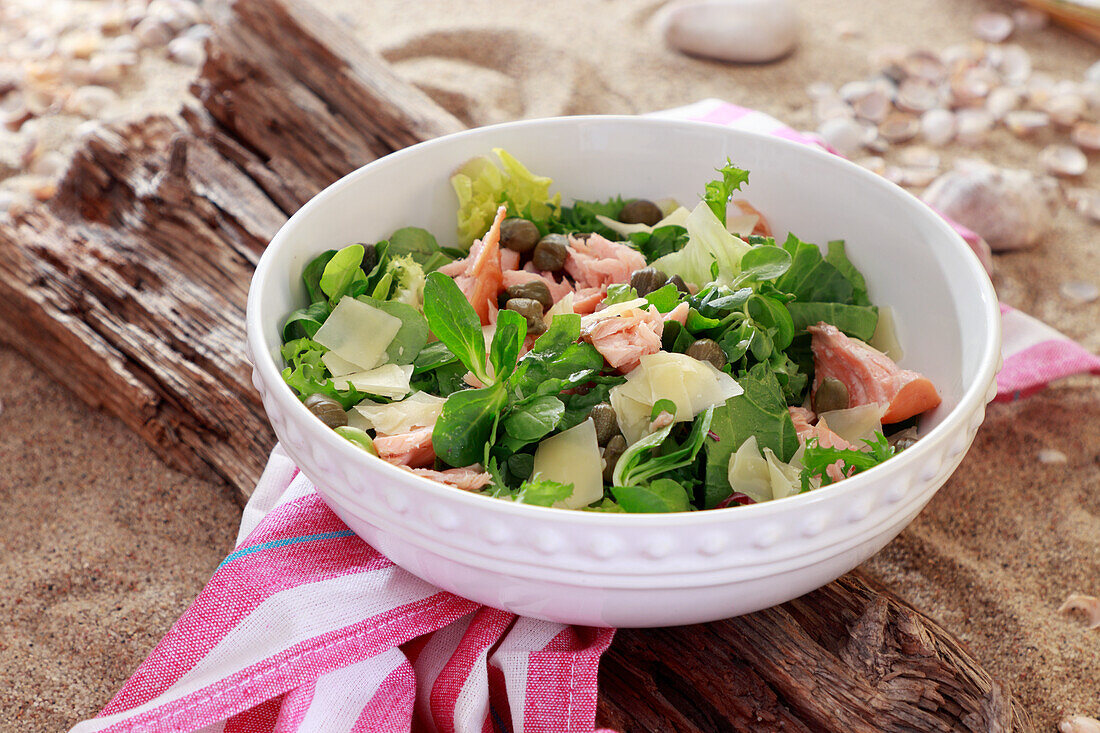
(624, 355)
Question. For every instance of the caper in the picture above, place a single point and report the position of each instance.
(679, 283)
(607, 424)
(646, 280)
(329, 411)
(611, 454)
(519, 235)
(533, 290)
(831, 394)
(551, 253)
(641, 211)
(707, 350)
(531, 310)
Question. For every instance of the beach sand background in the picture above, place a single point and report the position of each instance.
(104, 546)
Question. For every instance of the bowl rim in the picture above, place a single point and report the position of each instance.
(974, 397)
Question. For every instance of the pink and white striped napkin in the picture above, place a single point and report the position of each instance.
(1034, 353)
(305, 627)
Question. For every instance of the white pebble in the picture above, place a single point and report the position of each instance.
(973, 125)
(752, 31)
(1025, 122)
(200, 31)
(1093, 72)
(1086, 135)
(1029, 20)
(1065, 108)
(152, 32)
(1013, 62)
(992, 27)
(188, 51)
(842, 134)
(918, 95)
(90, 101)
(938, 126)
(1050, 455)
(107, 68)
(899, 127)
(1002, 100)
(1063, 160)
(1081, 291)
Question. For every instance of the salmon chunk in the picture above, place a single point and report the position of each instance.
(467, 479)
(412, 449)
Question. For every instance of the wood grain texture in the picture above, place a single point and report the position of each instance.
(129, 287)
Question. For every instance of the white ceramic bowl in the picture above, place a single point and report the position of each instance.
(645, 570)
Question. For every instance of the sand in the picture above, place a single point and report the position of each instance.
(105, 546)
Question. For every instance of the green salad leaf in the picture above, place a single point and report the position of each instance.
(466, 426)
(421, 246)
(482, 186)
(311, 275)
(343, 274)
(661, 495)
(718, 193)
(307, 374)
(306, 322)
(410, 339)
(454, 322)
(543, 492)
(812, 279)
(660, 242)
(647, 458)
(581, 217)
(838, 258)
(817, 459)
(858, 321)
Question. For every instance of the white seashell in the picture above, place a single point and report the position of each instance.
(1029, 20)
(79, 44)
(888, 55)
(992, 27)
(917, 176)
(187, 51)
(152, 33)
(918, 156)
(1013, 63)
(1079, 724)
(86, 129)
(842, 134)
(899, 127)
(972, 85)
(176, 14)
(1009, 208)
(1063, 160)
(743, 31)
(1090, 90)
(49, 164)
(1093, 72)
(961, 54)
(1086, 135)
(853, 90)
(1040, 88)
(1003, 100)
(873, 163)
(1080, 291)
(820, 90)
(1050, 455)
(1025, 122)
(122, 44)
(973, 125)
(924, 65)
(110, 68)
(872, 106)
(90, 101)
(918, 95)
(201, 31)
(829, 108)
(1065, 108)
(938, 126)
(1088, 605)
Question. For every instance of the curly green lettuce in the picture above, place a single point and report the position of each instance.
(482, 186)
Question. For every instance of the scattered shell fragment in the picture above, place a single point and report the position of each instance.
(827, 108)
(1063, 160)
(1089, 605)
(1093, 72)
(1085, 201)
(1086, 135)
(992, 27)
(1025, 122)
(969, 86)
(153, 33)
(1065, 109)
(938, 126)
(90, 101)
(1079, 724)
(1013, 63)
(1029, 20)
(1050, 455)
(899, 127)
(48, 164)
(1002, 100)
(1009, 208)
(872, 106)
(918, 95)
(1080, 291)
(741, 31)
(919, 156)
(973, 125)
(842, 134)
(186, 50)
(925, 65)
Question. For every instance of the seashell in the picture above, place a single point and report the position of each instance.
(917, 95)
(1090, 90)
(973, 125)
(1065, 109)
(1086, 135)
(1029, 20)
(1050, 455)
(14, 111)
(1079, 724)
(90, 101)
(79, 44)
(973, 84)
(842, 134)
(1009, 208)
(201, 31)
(1080, 291)
(873, 163)
(48, 164)
(992, 27)
(854, 90)
(122, 44)
(872, 106)
(924, 65)
(828, 108)
(1040, 88)
(1025, 122)
(152, 33)
(1013, 63)
(1063, 160)
(1089, 605)
(186, 50)
(938, 126)
(1093, 72)
(894, 174)
(742, 31)
(918, 156)
(963, 54)
(109, 68)
(1003, 100)
(899, 127)
(820, 90)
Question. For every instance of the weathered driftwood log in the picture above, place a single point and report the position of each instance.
(848, 657)
(129, 286)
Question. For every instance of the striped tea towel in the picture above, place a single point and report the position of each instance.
(1034, 353)
(305, 627)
